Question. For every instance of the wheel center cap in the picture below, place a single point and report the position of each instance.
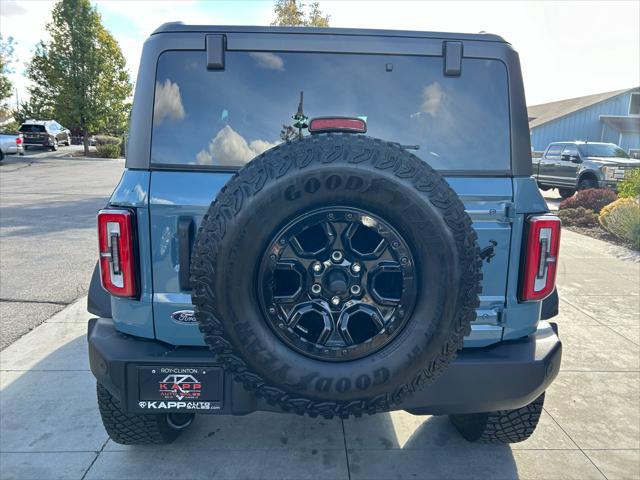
(337, 281)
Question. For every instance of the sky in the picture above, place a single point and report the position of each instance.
(567, 49)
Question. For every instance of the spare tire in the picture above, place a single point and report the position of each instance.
(335, 275)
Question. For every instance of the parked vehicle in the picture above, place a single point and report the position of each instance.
(571, 166)
(10, 144)
(44, 133)
(310, 268)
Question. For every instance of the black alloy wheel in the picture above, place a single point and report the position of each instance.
(337, 283)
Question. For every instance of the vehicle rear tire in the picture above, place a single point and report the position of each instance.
(503, 426)
(139, 429)
(566, 192)
(586, 183)
(54, 145)
(242, 233)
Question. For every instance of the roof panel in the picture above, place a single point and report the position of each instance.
(174, 27)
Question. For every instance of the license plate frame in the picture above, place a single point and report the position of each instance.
(180, 388)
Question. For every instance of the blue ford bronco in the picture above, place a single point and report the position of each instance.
(325, 222)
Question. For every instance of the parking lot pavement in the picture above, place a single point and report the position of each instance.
(552, 197)
(48, 202)
(590, 427)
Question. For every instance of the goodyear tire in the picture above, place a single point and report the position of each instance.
(138, 429)
(503, 426)
(432, 249)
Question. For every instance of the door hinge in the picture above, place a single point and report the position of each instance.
(510, 212)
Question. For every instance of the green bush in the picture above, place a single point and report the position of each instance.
(108, 151)
(622, 218)
(630, 186)
(106, 140)
(591, 199)
(578, 217)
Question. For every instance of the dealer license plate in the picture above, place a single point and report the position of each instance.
(180, 388)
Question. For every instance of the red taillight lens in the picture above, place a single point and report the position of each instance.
(117, 255)
(337, 124)
(541, 261)
(19, 140)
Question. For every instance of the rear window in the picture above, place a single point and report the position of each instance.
(28, 128)
(225, 118)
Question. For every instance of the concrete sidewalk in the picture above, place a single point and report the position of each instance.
(50, 427)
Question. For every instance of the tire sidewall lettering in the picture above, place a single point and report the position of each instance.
(314, 184)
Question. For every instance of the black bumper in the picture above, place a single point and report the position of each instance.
(503, 376)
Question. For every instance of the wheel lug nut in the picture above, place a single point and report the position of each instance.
(335, 301)
(317, 267)
(336, 256)
(356, 268)
(316, 288)
(355, 290)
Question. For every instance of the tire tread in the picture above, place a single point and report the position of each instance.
(331, 148)
(132, 429)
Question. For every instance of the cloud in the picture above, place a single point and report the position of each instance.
(11, 8)
(268, 60)
(432, 98)
(168, 102)
(228, 147)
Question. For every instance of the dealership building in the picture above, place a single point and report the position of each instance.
(612, 117)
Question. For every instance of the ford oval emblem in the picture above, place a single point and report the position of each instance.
(186, 317)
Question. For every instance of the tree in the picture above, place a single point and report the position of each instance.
(6, 56)
(292, 13)
(316, 18)
(80, 74)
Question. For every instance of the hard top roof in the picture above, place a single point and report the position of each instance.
(36, 122)
(179, 27)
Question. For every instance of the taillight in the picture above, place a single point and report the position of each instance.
(19, 140)
(117, 254)
(541, 261)
(337, 124)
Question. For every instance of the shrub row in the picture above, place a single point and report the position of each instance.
(106, 140)
(622, 219)
(591, 199)
(630, 186)
(108, 151)
(578, 217)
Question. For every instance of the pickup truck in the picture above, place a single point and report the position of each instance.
(10, 144)
(571, 166)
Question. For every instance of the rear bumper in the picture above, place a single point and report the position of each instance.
(17, 150)
(502, 376)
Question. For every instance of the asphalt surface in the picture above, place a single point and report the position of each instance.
(48, 202)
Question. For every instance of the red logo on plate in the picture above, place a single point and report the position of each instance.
(180, 387)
